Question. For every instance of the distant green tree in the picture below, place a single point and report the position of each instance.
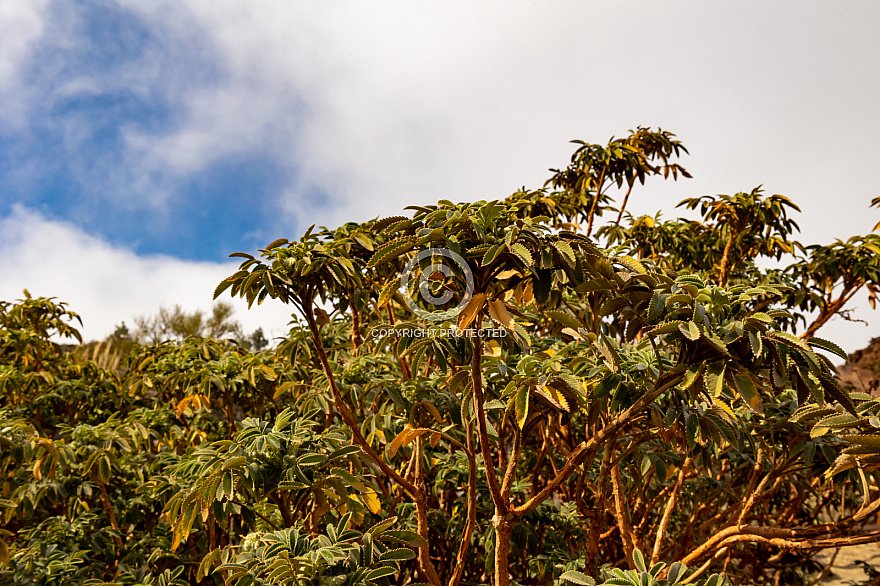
(750, 224)
(179, 324)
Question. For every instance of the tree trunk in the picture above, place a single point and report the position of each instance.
(355, 327)
(623, 205)
(425, 564)
(595, 203)
(108, 508)
(464, 546)
(626, 531)
(503, 530)
(831, 309)
(724, 268)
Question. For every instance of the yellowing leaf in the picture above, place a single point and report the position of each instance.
(372, 501)
(469, 313)
(498, 312)
(522, 405)
(748, 392)
(555, 397)
(321, 317)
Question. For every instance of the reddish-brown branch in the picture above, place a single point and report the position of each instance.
(589, 448)
(670, 507)
(626, 530)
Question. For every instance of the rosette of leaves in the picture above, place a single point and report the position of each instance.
(282, 472)
(855, 434)
(294, 272)
(595, 168)
(830, 275)
(342, 555)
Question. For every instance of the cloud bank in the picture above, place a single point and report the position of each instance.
(107, 285)
(176, 132)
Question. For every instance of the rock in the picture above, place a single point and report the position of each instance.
(862, 369)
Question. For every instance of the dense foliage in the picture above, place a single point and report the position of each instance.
(536, 406)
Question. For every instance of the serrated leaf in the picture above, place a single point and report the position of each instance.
(829, 346)
(787, 338)
(498, 313)
(747, 390)
(380, 572)
(565, 319)
(469, 313)
(491, 255)
(576, 577)
(398, 555)
(388, 291)
(756, 344)
(566, 251)
(632, 264)
(690, 330)
(666, 328)
(656, 306)
(522, 252)
(392, 250)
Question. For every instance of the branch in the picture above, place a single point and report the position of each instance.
(461, 556)
(477, 378)
(344, 413)
(670, 506)
(589, 448)
(626, 531)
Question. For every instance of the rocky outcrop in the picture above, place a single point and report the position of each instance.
(862, 369)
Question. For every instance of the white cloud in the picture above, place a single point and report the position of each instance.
(21, 24)
(107, 285)
(383, 104)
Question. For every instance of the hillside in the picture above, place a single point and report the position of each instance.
(862, 368)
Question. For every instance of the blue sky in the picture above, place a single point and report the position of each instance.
(142, 141)
(75, 143)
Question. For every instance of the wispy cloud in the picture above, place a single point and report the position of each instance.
(107, 285)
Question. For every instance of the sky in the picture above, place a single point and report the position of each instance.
(141, 142)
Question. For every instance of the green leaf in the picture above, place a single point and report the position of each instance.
(690, 330)
(379, 573)
(491, 255)
(657, 305)
(379, 528)
(676, 572)
(565, 319)
(576, 577)
(829, 346)
(522, 252)
(566, 251)
(392, 250)
(639, 560)
(223, 286)
(787, 339)
(746, 388)
(632, 264)
(388, 291)
(277, 243)
(397, 555)
(522, 405)
(756, 344)
(408, 537)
